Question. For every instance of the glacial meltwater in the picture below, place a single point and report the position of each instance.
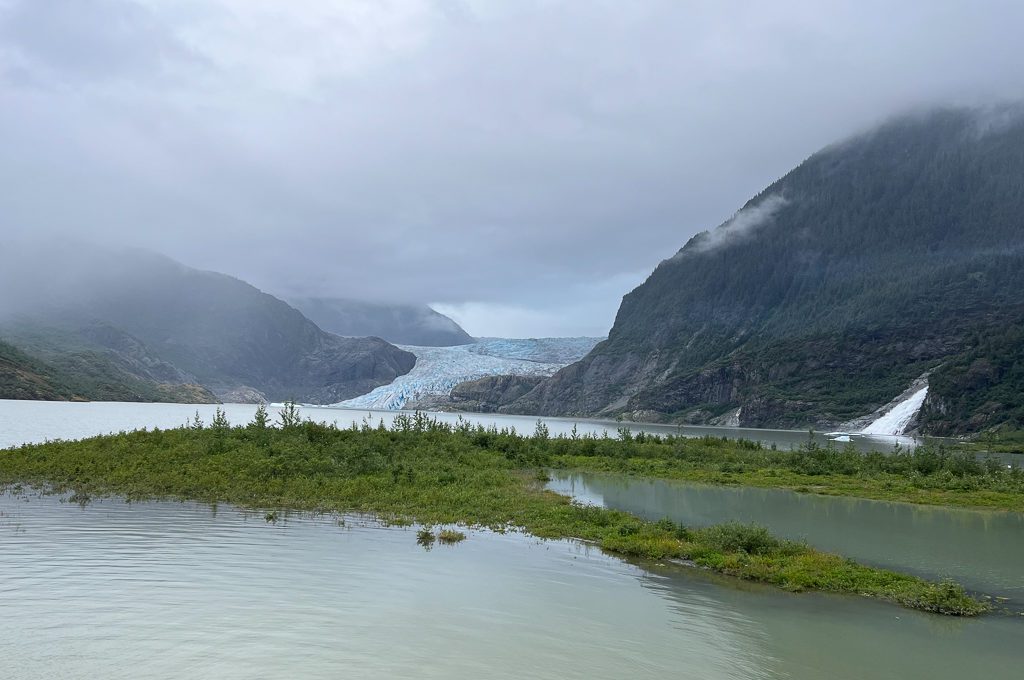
(180, 590)
(982, 549)
(183, 590)
(37, 421)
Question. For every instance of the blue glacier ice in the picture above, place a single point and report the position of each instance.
(439, 369)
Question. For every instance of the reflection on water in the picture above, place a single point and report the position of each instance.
(983, 550)
(166, 590)
(175, 590)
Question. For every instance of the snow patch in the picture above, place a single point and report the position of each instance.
(896, 420)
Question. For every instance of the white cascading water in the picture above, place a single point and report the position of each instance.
(895, 421)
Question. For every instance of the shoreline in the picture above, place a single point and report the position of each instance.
(430, 473)
(833, 486)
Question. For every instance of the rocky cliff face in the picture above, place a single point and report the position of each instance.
(876, 260)
(490, 394)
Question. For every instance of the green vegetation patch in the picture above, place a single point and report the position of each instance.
(931, 475)
(83, 374)
(435, 474)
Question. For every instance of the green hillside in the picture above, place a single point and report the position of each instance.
(84, 375)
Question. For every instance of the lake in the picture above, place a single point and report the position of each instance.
(182, 590)
(983, 550)
(36, 421)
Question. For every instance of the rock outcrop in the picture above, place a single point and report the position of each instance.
(492, 393)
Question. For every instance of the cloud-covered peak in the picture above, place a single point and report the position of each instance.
(484, 155)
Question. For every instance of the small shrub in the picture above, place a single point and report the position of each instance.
(450, 536)
(629, 529)
(675, 529)
(736, 537)
(425, 537)
(290, 415)
(220, 421)
(261, 419)
(946, 597)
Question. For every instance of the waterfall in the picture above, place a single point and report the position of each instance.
(895, 421)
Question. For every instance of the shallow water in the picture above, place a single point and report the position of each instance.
(167, 590)
(984, 550)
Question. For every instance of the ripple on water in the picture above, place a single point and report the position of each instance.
(175, 590)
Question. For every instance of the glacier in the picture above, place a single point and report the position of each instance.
(439, 369)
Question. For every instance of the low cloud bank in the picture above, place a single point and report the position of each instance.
(740, 226)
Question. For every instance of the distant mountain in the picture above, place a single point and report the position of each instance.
(166, 323)
(878, 260)
(417, 325)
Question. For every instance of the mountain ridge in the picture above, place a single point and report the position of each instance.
(167, 323)
(875, 260)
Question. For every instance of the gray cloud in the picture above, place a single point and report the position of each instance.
(73, 42)
(503, 160)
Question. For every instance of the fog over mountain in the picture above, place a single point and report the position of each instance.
(403, 324)
(518, 165)
(130, 325)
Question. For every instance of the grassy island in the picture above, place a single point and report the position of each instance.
(420, 470)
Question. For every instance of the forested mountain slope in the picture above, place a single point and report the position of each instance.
(894, 253)
(167, 323)
(85, 374)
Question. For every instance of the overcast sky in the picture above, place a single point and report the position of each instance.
(521, 165)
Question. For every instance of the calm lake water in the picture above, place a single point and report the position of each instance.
(36, 421)
(983, 550)
(168, 590)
